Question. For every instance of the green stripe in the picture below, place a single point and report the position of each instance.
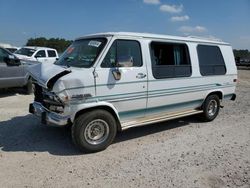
(164, 93)
(141, 81)
(170, 90)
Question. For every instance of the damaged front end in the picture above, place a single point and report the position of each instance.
(47, 105)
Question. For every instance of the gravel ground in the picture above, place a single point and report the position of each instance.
(178, 153)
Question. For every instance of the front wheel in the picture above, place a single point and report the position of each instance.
(211, 107)
(94, 131)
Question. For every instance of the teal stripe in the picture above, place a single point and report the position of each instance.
(170, 90)
(165, 93)
(141, 81)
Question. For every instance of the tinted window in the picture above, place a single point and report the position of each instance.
(41, 53)
(170, 60)
(210, 60)
(123, 53)
(51, 53)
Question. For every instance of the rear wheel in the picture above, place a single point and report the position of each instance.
(211, 107)
(94, 131)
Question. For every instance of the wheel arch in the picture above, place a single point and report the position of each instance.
(219, 93)
(103, 106)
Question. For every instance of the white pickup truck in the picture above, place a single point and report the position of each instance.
(34, 53)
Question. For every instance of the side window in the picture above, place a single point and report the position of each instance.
(210, 60)
(123, 53)
(40, 53)
(170, 60)
(51, 53)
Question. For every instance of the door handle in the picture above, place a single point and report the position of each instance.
(141, 75)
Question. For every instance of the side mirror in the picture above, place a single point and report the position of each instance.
(6, 60)
(12, 61)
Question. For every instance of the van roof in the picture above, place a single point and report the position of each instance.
(158, 36)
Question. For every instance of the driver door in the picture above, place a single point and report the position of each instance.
(122, 79)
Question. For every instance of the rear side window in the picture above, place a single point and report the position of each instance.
(51, 53)
(123, 53)
(40, 53)
(170, 60)
(210, 60)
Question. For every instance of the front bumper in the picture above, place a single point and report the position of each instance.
(48, 117)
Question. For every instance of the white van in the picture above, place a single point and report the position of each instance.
(35, 53)
(104, 83)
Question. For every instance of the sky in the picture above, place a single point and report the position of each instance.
(228, 20)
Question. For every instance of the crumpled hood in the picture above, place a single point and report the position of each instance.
(44, 72)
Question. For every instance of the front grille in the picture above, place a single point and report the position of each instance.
(47, 99)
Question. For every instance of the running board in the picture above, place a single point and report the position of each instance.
(156, 119)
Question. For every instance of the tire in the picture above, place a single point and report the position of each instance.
(29, 87)
(94, 131)
(210, 107)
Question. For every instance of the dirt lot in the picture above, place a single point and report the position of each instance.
(178, 153)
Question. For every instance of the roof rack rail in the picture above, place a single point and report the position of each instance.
(206, 38)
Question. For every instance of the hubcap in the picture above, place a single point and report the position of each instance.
(96, 132)
(212, 108)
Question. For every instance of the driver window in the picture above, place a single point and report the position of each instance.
(40, 53)
(123, 53)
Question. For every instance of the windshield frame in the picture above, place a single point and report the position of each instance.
(62, 62)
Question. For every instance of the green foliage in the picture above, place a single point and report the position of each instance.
(58, 43)
(241, 54)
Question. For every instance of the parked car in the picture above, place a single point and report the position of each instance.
(243, 62)
(13, 72)
(34, 53)
(109, 82)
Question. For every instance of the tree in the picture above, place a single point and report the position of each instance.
(59, 44)
(241, 54)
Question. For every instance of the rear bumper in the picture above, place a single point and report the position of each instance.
(233, 97)
(48, 117)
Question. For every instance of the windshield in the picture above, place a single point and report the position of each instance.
(25, 51)
(82, 53)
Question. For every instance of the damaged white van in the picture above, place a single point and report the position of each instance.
(104, 83)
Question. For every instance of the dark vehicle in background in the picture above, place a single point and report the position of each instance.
(242, 62)
(13, 71)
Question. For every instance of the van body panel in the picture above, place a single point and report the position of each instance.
(134, 94)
